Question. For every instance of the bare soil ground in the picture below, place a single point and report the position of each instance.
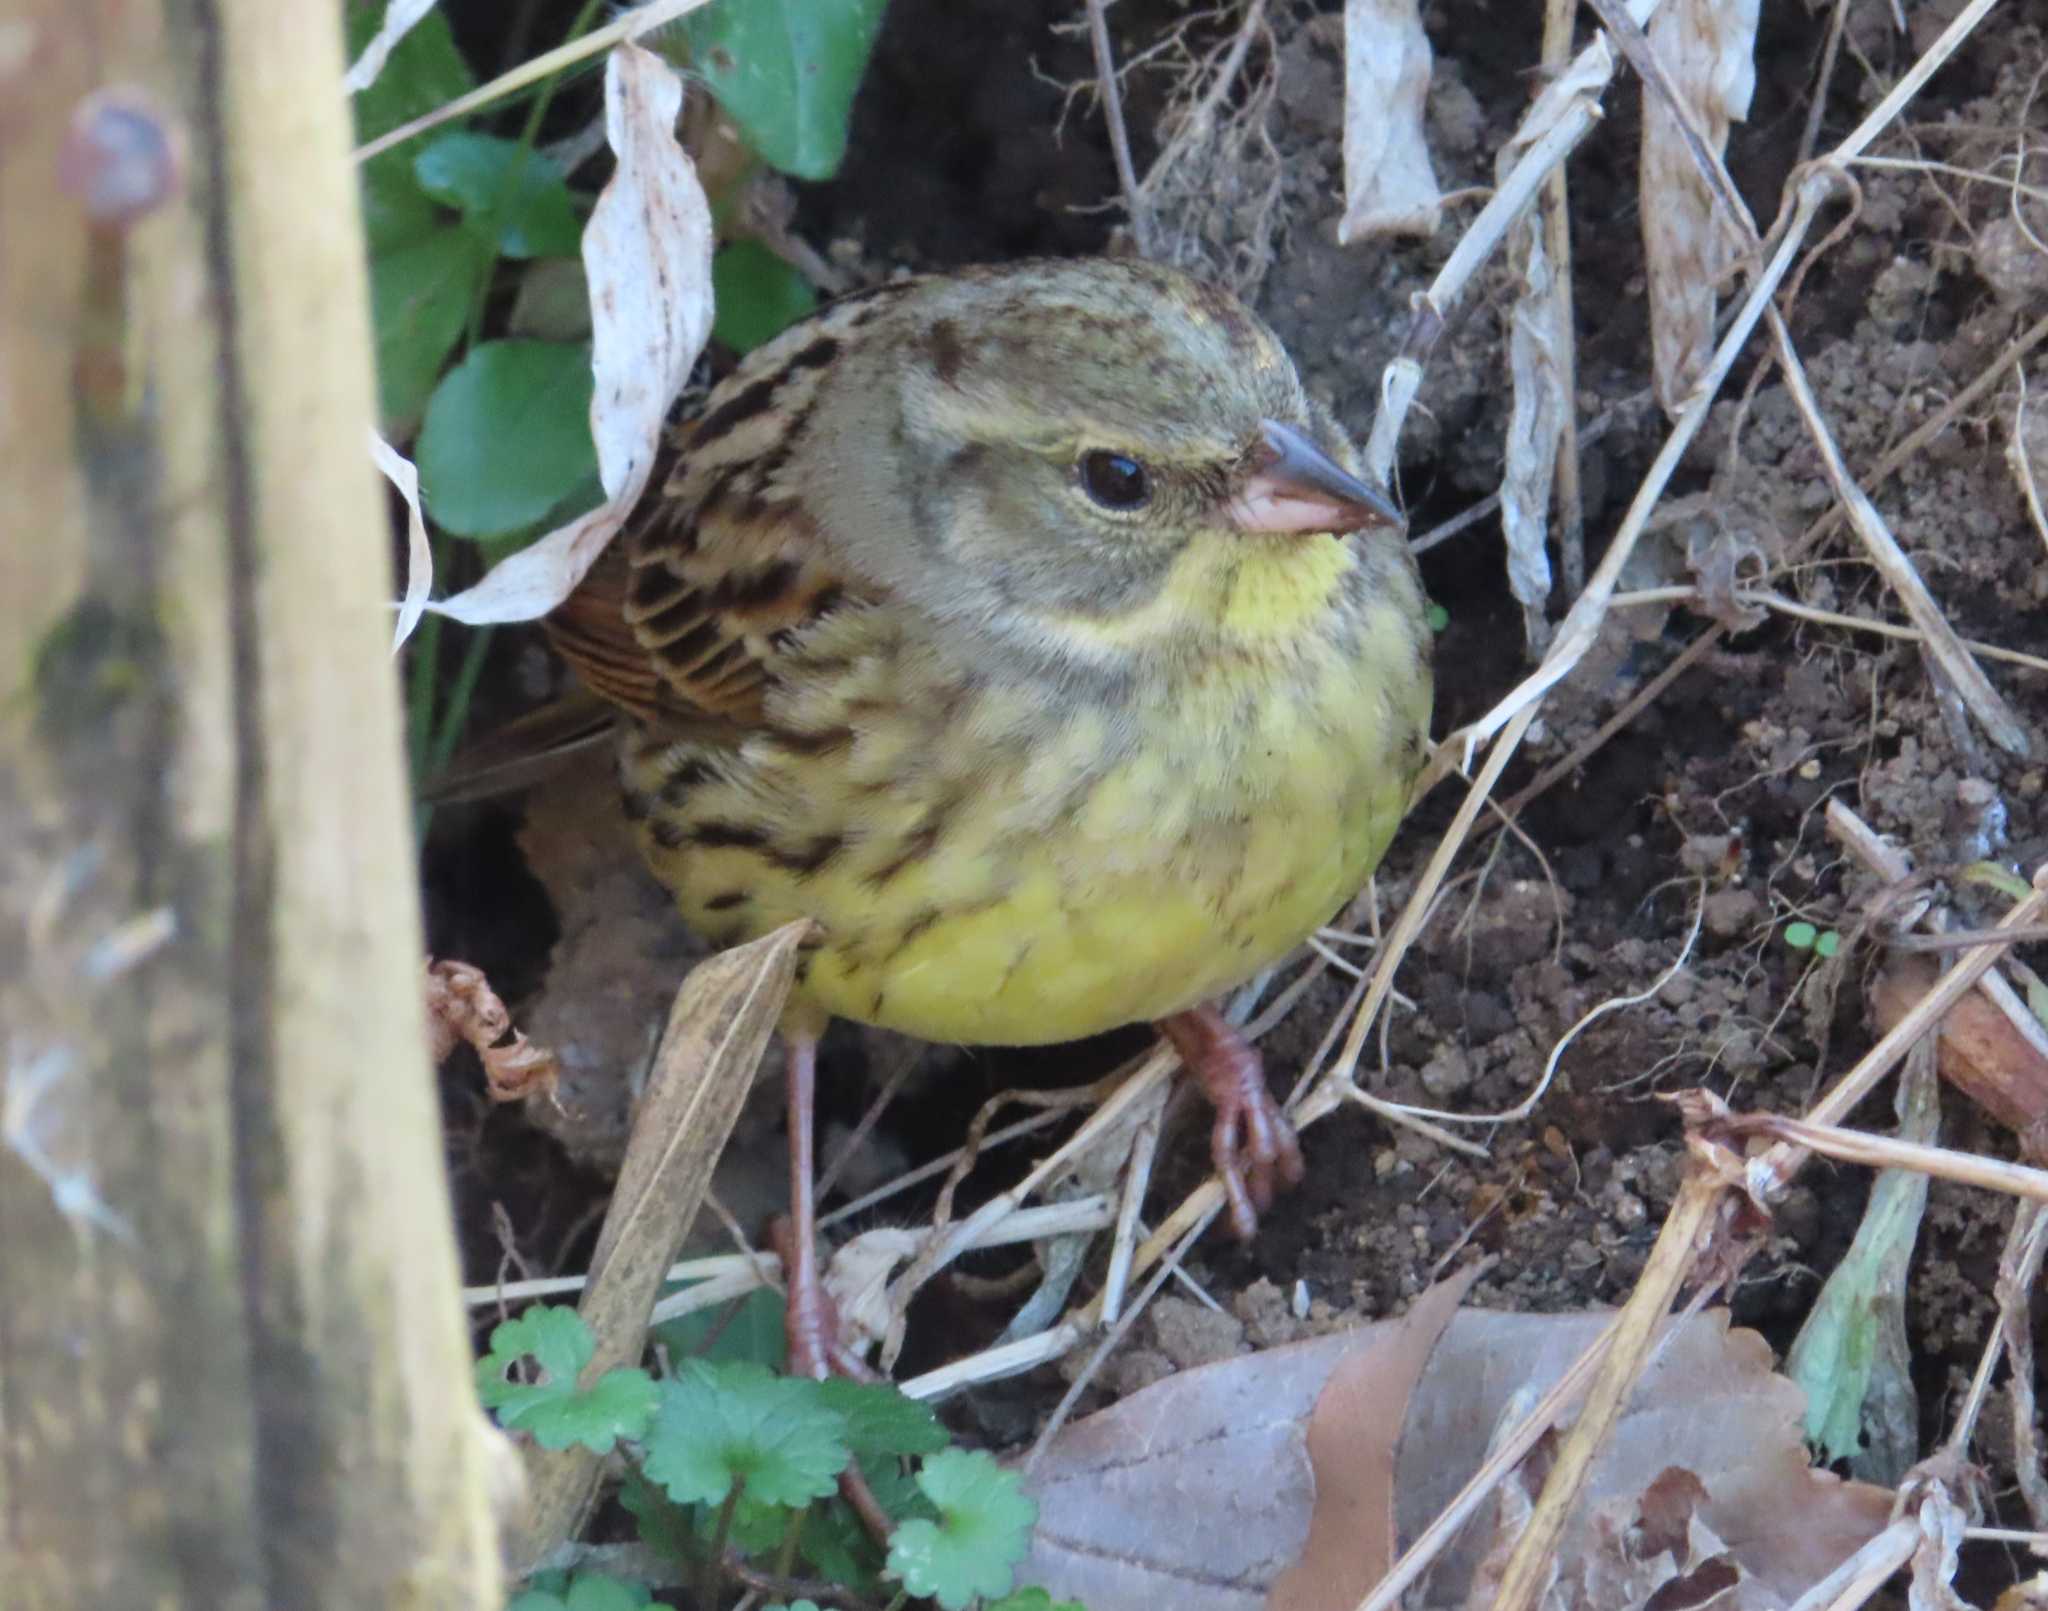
(1707, 803)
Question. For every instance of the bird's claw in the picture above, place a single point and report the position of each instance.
(1252, 1145)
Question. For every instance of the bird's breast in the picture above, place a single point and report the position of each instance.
(995, 863)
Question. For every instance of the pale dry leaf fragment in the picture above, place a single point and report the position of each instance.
(400, 17)
(1707, 50)
(462, 1006)
(1535, 426)
(647, 252)
(419, 553)
(1389, 186)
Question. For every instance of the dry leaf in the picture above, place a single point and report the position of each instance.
(1198, 1493)
(1389, 187)
(647, 252)
(1351, 1540)
(462, 1006)
(1706, 48)
(419, 553)
(722, 1018)
(1535, 423)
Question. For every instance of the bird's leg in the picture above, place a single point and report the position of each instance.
(1253, 1145)
(810, 1318)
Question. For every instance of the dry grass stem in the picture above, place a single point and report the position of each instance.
(1110, 88)
(635, 22)
(1887, 1152)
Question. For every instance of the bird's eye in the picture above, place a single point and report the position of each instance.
(1116, 481)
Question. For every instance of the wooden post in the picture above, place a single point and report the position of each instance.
(233, 1370)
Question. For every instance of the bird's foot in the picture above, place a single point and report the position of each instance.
(1253, 1146)
(810, 1318)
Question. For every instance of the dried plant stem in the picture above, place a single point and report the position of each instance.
(1888, 1152)
(1119, 137)
(1698, 1211)
(2018, 1267)
(1558, 16)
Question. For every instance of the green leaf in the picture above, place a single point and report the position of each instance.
(420, 296)
(753, 1332)
(786, 72)
(756, 295)
(506, 436)
(1800, 936)
(587, 1591)
(795, 1605)
(662, 1524)
(1827, 944)
(1438, 617)
(554, 1410)
(509, 194)
(983, 1529)
(1033, 1599)
(424, 71)
(882, 1420)
(721, 1424)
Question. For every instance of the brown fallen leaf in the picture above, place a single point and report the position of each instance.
(462, 1006)
(1220, 1485)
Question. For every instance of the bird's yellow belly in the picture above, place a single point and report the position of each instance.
(1030, 881)
(1062, 949)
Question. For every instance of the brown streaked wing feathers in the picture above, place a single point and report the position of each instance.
(690, 614)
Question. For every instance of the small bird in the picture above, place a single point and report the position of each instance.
(1031, 631)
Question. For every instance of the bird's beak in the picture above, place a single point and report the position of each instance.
(1296, 486)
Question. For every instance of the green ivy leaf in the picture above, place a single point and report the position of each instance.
(419, 301)
(756, 295)
(1827, 944)
(882, 1420)
(1800, 936)
(554, 1410)
(1033, 1599)
(423, 71)
(721, 1424)
(506, 436)
(983, 1529)
(786, 71)
(510, 195)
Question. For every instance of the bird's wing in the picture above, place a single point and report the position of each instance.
(690, 615)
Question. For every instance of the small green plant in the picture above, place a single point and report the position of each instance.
(479, 313)
(1823, 943)
(730, 1463)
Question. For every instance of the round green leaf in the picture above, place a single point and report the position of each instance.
(511, 195)
(507, 436)
(984, 1526)
(721, 1424)
(423, 71)
(756, 295)
(419, 301)
(1800, 936)
(786, 71)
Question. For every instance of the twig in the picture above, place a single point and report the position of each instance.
(1119, 137)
